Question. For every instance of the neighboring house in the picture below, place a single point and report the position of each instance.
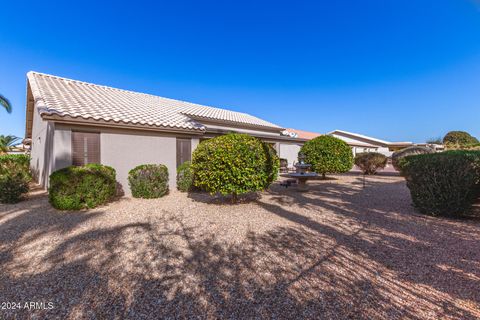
(361, 143)
(19, 149)
(357, 146)
(73, 122)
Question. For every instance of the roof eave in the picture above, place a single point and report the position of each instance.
(123, 125)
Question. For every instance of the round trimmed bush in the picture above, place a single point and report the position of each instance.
(148, 181)
(185, 177)
(234, 164)
(445, 183)
(370, 162)
(328, 154)
(80, 187)
(409, 151)
(459, 138)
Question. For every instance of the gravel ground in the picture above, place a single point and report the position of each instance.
(339, 251)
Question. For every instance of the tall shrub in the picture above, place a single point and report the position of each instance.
(370, 162)
(148, 181)
(272, 165)
(444, 183)
(88, 186)
(234, 164)
(328, 154)
(14, 177)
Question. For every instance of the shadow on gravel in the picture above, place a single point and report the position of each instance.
(358, 265)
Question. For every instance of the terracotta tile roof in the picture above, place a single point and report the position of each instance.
(304, 134)
(78, 100)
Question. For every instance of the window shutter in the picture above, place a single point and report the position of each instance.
(85, 148)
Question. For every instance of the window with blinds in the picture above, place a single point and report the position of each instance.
(85, 148)
(184, 151)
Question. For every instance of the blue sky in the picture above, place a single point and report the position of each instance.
(396, 70)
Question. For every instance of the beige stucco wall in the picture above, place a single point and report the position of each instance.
(124, 149)
(289, 151)
(41, 156)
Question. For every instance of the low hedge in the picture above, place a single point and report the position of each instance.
(148, 181)
(88, 186)
(443, 184)
(14, 177)
(370, 162)
(185, 177)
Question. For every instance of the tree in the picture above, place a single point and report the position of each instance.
(6, 104)
(459, 139)
(6, 142)
(328, 154)
(234, 164)
(437, 140)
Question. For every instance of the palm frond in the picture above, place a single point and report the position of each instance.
(7, 142)
(6, 104)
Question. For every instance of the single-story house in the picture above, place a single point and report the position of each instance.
(71, 122)
(362, 143)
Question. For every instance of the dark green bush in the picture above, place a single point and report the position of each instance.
(409, 151)
(14, 177)
(370, 162)
(88, 186)
(148, 181)
(444, 183)
(185, 177)
(12, 187)
(459, 139)
(328, 154)
(234, 164)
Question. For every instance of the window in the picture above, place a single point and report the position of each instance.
(184, 151)
(85, 148)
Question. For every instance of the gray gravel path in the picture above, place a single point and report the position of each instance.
(339, 251)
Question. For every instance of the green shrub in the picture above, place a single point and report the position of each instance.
(409, 151)
(12, 187)
(185, 177)
(459, 139)
(88, 186)
(444, 183)
(328, 154)
(148, 181)
(14, 163)
(14, 177)
(370, 162)
(273, 164)
(234, 164)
